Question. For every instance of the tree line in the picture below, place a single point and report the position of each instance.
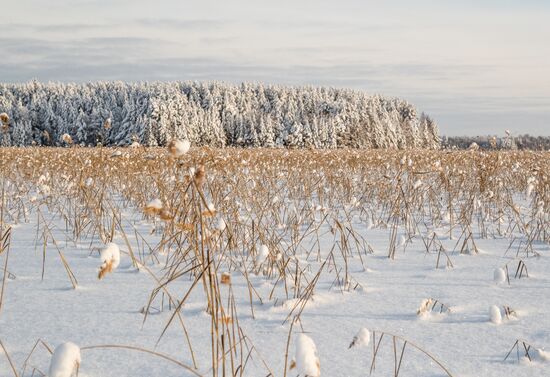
(493, 142)
(214, 113)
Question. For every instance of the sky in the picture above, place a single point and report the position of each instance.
(477, 67)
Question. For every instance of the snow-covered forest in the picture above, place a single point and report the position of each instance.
(214, 114)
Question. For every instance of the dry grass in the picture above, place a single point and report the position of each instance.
(287, 200)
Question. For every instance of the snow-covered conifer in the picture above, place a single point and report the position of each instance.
(111, 113)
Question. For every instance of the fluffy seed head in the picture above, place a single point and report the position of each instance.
(67, 138)
(153, 207)
(110, 259)
(166, 215)
(200, 176)
(4, 118)
(178, 148)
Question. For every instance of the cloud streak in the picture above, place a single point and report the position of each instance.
(458, 62)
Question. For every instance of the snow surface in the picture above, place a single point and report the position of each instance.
(110, 311)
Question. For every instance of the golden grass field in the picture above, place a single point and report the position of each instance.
(225, 214)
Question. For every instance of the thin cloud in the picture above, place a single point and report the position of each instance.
(186, 24)
(454, 61)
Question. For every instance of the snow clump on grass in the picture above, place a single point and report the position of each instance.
(65, 360)
(425, 307)
(153, 207)
(495, 315)
(110, 259)
(306, 360)
(67, 138)
(499, 275)
(361, 339)
(221, 225)
(263, 253)
(402, 240)
(530, 186)
(200, 176)
(541, 355)
(178, 148)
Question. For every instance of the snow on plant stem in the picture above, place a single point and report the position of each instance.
(153, 207)
(494, 313)
(499, 275)
(306, 359)
(110, 259)
(263, 253)
(65, 360)
(178, 148)
(541, 355)
(361, 339)
(221, 225)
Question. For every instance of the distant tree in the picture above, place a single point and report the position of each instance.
(212, 114)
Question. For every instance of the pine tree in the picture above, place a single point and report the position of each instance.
(212, 114)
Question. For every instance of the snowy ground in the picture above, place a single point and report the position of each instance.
(386, 298)
(108, 312)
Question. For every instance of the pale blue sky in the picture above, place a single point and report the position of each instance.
(477, 67)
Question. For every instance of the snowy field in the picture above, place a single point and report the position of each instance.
(438, 262)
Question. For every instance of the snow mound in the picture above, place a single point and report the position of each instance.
(263, 253)
(499, 276)
(361, 339)
(110, 259)
(425, 307)
(65, 360)
(495, 315)
(541, 355)
(306, 359)
(221, 225)
(154, 204)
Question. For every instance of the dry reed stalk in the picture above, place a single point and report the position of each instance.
(225, 278)
(143, 350)
(270, 197)
(10, 362)
(105, 268)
